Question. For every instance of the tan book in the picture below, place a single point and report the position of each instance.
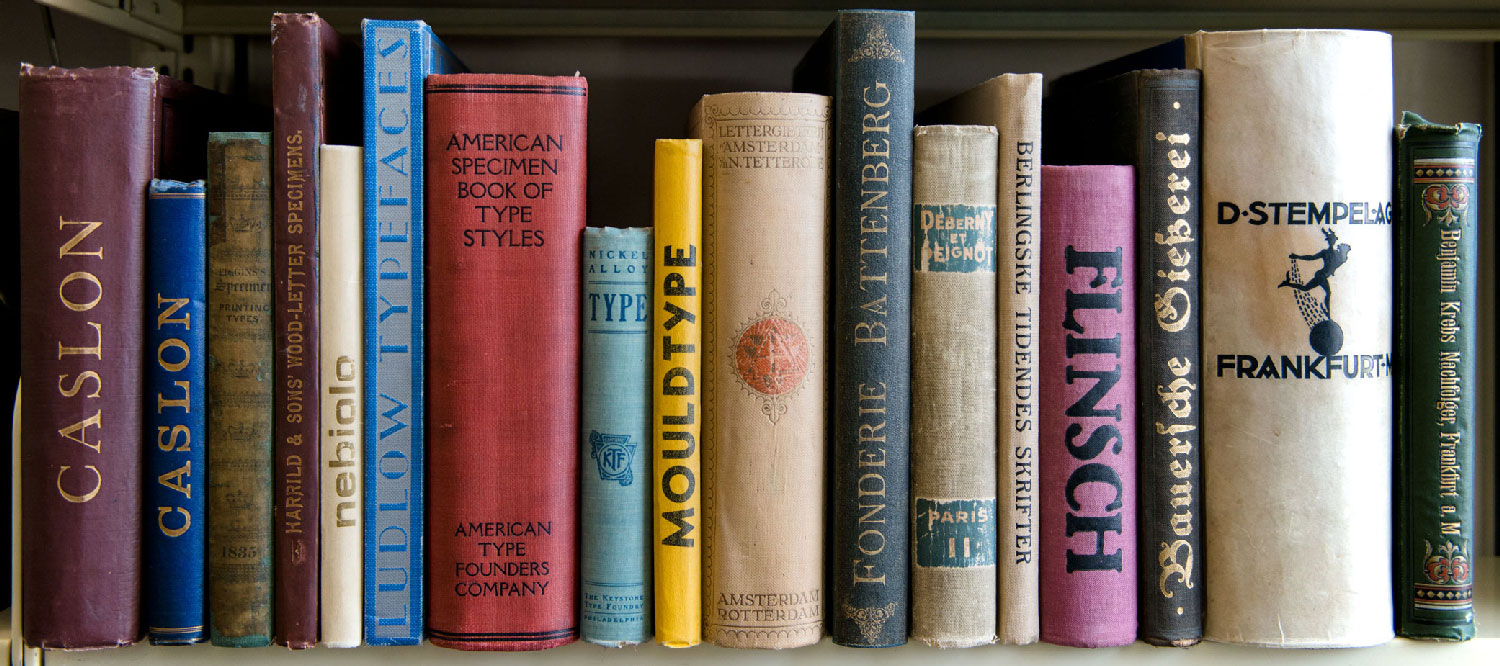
(1297, 326)
(1013, 104)
(953, 509)
(765, 365)
(340, 337)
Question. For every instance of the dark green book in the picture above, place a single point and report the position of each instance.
(1437, 254)
(240, 405)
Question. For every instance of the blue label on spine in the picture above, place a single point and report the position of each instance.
(176, 349)
(954, 533)
(955, 238)
(616, 436)
(398, 57)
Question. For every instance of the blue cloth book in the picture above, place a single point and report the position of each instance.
(176, 342)
(866, 60)
(615, 424)
(398, 56)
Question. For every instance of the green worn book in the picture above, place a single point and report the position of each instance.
(1437, 256)
(240, 504)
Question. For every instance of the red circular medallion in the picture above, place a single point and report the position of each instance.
(771, 356)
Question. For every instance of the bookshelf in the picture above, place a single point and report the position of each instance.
(1482, 649)
(648, 63)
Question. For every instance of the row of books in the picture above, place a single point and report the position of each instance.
(886, 350)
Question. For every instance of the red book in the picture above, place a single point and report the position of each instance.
(82, 271)
(1087, 363)
(505, 211)
(309, 65)
(91, 140)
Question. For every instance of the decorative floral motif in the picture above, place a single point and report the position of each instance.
(877, 46)
(870, 620)
(1447, 203)
(1449, 566)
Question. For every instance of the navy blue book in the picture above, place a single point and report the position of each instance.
(398, 57)
(866, 60)
(175, 462)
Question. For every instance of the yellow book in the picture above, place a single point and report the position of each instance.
(678, 339)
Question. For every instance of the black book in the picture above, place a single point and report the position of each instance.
(10, 314)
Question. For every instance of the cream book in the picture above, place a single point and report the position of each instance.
(341, 250)
(1297, 335)
(953, 386)
(765, 366)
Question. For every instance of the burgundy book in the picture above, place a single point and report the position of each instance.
(1087, 457)
(505, 224)
(91, 140)
(308, 63)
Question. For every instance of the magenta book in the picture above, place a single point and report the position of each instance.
(1087, 466)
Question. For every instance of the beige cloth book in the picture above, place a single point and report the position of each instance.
(765, 365)
(1012, 103)
(1296, 335)
(953, 331)
(341, 350)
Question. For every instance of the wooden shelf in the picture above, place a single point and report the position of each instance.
(1482, 649)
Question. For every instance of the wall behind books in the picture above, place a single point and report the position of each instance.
(80, 42)
(642, 89)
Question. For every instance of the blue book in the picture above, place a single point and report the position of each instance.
(615, 424)
(175, 465)
(866, 60)
(398, 57)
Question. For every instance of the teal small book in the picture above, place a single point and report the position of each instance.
(615, 435)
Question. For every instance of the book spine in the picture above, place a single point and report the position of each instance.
(10, 338)
(1437, 208)
(240, 349)
(505, 350)
(1297, 335)
(1017, 114)
(615, 422)
(1088, 491)
(176, 339)
(297, 92)
(88, 139)
(341, 419)
(677, 370)
(953, 382)
(873, 92)
(1168, 325)
(766, 286)
(398, 56)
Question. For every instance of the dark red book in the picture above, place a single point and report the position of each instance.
(91, 140)
(308, 61)
(89, 143)
(505, 221)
